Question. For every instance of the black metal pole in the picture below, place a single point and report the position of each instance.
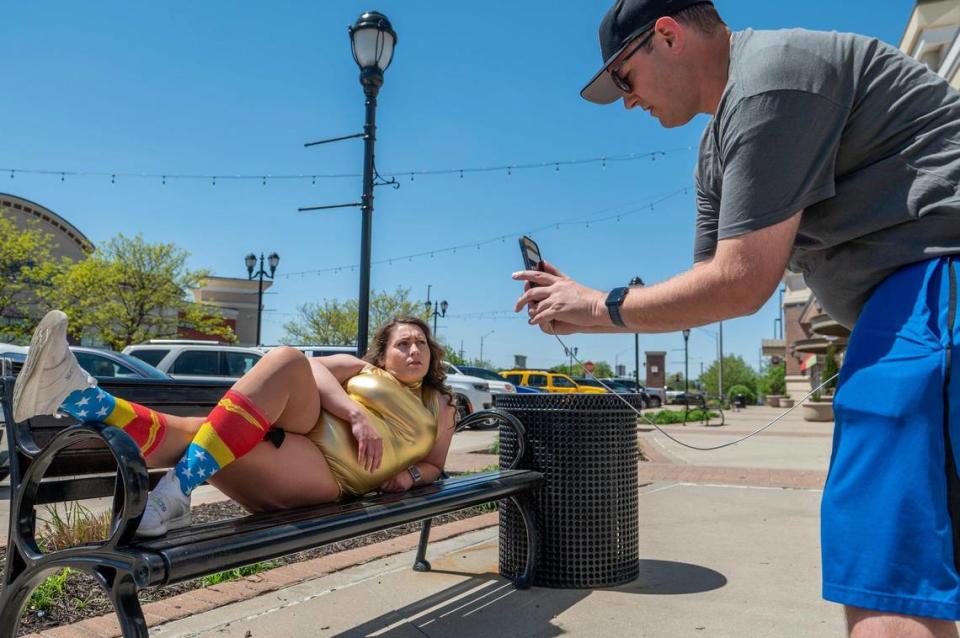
(686, 366)
(370, 137)
(260, 299)
(435, 313)
(637, 281)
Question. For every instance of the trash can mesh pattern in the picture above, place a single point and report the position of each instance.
(586, 447)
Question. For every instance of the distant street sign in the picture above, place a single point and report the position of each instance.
(588, 366)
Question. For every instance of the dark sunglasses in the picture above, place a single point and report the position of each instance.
(623, 83)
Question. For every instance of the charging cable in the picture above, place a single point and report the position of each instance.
(678, 441)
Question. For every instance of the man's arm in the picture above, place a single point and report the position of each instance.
(743, 273)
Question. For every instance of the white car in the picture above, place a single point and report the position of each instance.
(498, 385)
(473, 393)
(196, 360)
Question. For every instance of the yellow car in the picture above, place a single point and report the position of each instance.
(548, 381)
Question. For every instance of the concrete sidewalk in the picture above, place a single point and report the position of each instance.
(728, 547)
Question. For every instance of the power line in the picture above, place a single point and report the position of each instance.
(646, 206)
(263, 178)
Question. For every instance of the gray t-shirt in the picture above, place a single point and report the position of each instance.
(861, 137)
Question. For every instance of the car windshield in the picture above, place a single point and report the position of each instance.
(591, 382)
(143, 367)
(483, 373)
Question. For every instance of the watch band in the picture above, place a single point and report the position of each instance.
(415, 473)
(614, 301)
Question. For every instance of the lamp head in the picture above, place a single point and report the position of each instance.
(443, 308)
(373, 40)
(251, 262)
(273, 260)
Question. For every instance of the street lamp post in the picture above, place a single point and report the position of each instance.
(373, 39)
(438, 309)
(251, 261)
(636, 281)
(482, 337)
(571, 352)
(686, 364)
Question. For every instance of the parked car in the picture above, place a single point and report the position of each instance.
(318, 351)
(498, 385)
(548, 381)
(655, 397)
(473, 393)
(196, 360)
(98, 362)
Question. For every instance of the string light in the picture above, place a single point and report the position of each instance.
(595, 218)
(461, 171)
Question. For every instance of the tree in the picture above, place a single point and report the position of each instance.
(130, 291)
(601, 370)
(830, 369)
(334, 322)
(735, 372)
(773, 382)
(27, 269)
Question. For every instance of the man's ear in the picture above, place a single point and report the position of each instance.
(671, 32)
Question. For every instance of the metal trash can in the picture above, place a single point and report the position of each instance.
(586, 447)
(740, 401)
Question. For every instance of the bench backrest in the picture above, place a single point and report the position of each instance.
(87, 462)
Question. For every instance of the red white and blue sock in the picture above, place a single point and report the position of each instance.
(147, 427)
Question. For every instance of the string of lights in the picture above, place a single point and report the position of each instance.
(595, 218)
(264, 178)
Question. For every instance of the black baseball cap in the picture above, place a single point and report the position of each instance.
(625, 20)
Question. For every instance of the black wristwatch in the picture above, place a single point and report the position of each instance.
(415, 473)
(614, 301)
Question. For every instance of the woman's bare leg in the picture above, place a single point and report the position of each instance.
(281, 385)
(269, 478)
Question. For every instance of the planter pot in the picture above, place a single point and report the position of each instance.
(773, 400)
(818, 411)
(786, 403)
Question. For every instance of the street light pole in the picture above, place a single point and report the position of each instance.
(636, 281)
(439, 309)
(720, 369)
(251, 262)
(481, 344)
(571, 352)
(686, 364)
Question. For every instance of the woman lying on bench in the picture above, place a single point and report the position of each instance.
(291, 432)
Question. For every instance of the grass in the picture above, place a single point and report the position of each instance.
(495, 446)
(77, 525)
(49, 590)
(237, 574)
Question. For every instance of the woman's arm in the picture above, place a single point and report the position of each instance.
(327, 373)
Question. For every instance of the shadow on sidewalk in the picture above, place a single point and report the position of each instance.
(486, 604)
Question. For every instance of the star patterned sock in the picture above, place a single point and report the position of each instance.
(231, 430)
(145, 426)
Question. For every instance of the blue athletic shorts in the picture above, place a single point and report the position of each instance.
(890, 524)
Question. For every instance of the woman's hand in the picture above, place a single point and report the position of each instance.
(399, 483)
(369, 443)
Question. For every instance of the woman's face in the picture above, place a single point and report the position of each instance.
(407, 356)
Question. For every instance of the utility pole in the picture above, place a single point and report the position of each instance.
(720, 369)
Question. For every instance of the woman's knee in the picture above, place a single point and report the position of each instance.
(286, 356)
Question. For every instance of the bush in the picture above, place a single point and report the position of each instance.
(745, 391)
(774, 380)
(830, 369)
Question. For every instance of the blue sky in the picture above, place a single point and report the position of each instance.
(230, 88)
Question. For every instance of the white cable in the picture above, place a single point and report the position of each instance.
(674, 439)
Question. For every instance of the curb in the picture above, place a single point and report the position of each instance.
(207, 598)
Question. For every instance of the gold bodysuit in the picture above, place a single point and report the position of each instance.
(404, 416)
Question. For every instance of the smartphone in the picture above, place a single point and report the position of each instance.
(531, 255)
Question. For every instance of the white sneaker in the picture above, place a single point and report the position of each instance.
(50, 373)
(167, 508)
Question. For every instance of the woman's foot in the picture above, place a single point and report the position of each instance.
(51, 372)
(168, 508)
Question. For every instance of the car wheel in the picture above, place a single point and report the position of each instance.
(462, 410)
(655, 402)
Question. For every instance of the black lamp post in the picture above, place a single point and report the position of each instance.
(482, 337)
(439, 309)
(686, 364)
(373, 40)
(571, 352)
(636, 281)
(251, 261)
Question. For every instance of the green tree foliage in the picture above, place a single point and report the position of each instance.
(774, 380)
(334, 322)
(130, 291)
(675, 382)
(454, 357)
(27, 269)
(751, 396)
(829, 369)
(735, 372)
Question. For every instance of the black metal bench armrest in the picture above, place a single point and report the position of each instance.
(505, 418)
(130, 493)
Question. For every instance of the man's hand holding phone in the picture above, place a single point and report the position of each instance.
(556, 303)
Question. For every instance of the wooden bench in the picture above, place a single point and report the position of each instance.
(57, 460)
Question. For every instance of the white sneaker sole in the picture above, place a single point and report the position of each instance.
(179, 522)
(25, 393)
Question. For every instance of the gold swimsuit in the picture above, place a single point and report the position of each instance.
(404, 416)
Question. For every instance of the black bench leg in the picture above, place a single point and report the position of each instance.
(122, 589)
(421, 564)
(533, 545)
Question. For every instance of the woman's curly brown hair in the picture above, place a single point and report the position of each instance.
(435, 375)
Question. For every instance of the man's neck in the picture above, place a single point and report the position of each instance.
(715, 70)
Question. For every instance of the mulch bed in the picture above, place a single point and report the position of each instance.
(83, 598)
